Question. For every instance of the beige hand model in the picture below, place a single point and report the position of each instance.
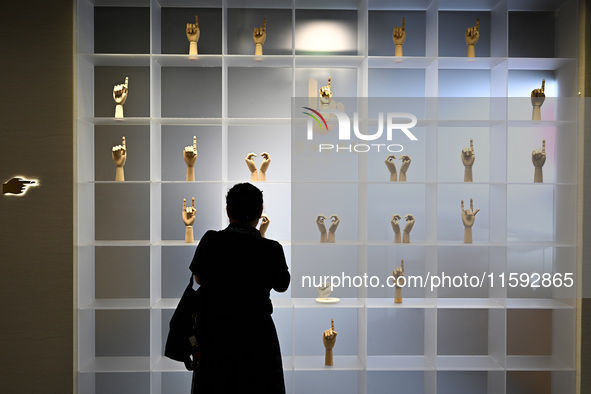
(399, 35)
(329, 337)
(410, 222)
(264, 166)
(399, 280)
(468, 158)
(468, 218)
(324, 290)
(254, 174)
(538, 158)
(193, 34)
(322, 228)
(119, 153)
(120, 95)
(392, 168)
(396, 227)
(537, 99)
(190, 156)
(333, 228)
(189, 219)
(259, 35)
(472, 35)
(264, 224)
(404, 167)
(325, 94)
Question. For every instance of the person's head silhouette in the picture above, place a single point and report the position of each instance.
(244, 204)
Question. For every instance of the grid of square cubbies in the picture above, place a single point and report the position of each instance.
(132, 261)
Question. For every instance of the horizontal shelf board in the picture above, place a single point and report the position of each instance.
(468, 303)
(118, 303)
(311, 303)
(116, 364)
(536, 363)
(189, 121)
(327, 244)
(165, 364)
(115, 59)
(469, 63)
(536, 5)
(534, 303)
(406, 5)
(316, 363)
(399, 363)
(304, 61)
(259, 61)
(121, 243)
(166, 303)
(119, 121)
(467, 363)
(178, 243)
(420, 303)
(528, 63)
(188, 60)
(282, 303)
(461, 5)
(399, 62)
(545, 244)
(258, 121)
(541, 123)
(468, 123)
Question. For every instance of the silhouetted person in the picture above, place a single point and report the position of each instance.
(237, 268)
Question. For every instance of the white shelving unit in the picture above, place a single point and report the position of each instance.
(133, 263)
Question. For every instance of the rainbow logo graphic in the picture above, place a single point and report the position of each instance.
(315, 118)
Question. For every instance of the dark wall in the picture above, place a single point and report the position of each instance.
(36, 231)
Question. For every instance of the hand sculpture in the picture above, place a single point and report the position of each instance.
(325, 94)
(333, 228)
(329, 337)
(396, 227)
(472, 35)
(17, 186)
(537, 99)
(120, 95)
(119, 157)
(538, 158)
(193, 34)
(254, 176)
(410, 222)
(259, 35)
(399, 35)
(264, 166)
(189, 219)
(391, 167)
(405, 164)
(468, 218)
(322, 227)
(264, 224)
(468, 158)
(397, 274)
(324, 290)
(190, 156)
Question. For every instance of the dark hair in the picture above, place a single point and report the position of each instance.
(244, 202)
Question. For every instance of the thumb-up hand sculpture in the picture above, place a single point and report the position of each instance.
(329, 337)
(193, 34)
(538, 158)
(468, 218)
(259, 35)
(119, 153)
(120, 96)
(189, 219)
(537, 99)
(399, 35)
(399, 281)
(472, 35)
(468, 158)
(190, 156)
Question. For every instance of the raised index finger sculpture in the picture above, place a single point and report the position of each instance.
(472, 35)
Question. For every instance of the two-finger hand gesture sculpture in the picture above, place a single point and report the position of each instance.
(468, 218)
(537, 99)
(538, 158)
(403, 168)
(399, 281)
(398, 36)
(472, 35)
(329, 338)
(190, 156)
(410, 222)
(120, 95)
(260, 175)
(189, 219)
(193, 34)
(119, 153)
(468, 158)
(259, 35)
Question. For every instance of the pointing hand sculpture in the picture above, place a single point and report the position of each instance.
(264, 224)
(468, 218)
(120, 96)
(17, 185)
(468, 158)
(189, 219)
(325, 94)
(322, 228)
(193, 34)
(333, 228)
(119, 153)
(537, 99)
(329, 337)
(399, 35)
(538, 158)
(472, 35)
(190, 156)
(259, 35)
(399, 281)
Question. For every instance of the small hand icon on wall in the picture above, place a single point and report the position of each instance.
(18, 185)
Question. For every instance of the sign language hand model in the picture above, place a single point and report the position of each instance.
(399, 35)
(120, 96)
(399, 280)
(254, 174)
(259, 35)
(329, 338)
(119, 153)
(468, 218)
(472, 35)
(468, 158)
(190, 156)
(193, 34)
(395, 221)
(538, 158)
(403, 168)
(537, 99)
(189, 219)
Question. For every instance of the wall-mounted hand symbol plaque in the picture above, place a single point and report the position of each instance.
(18, 186)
